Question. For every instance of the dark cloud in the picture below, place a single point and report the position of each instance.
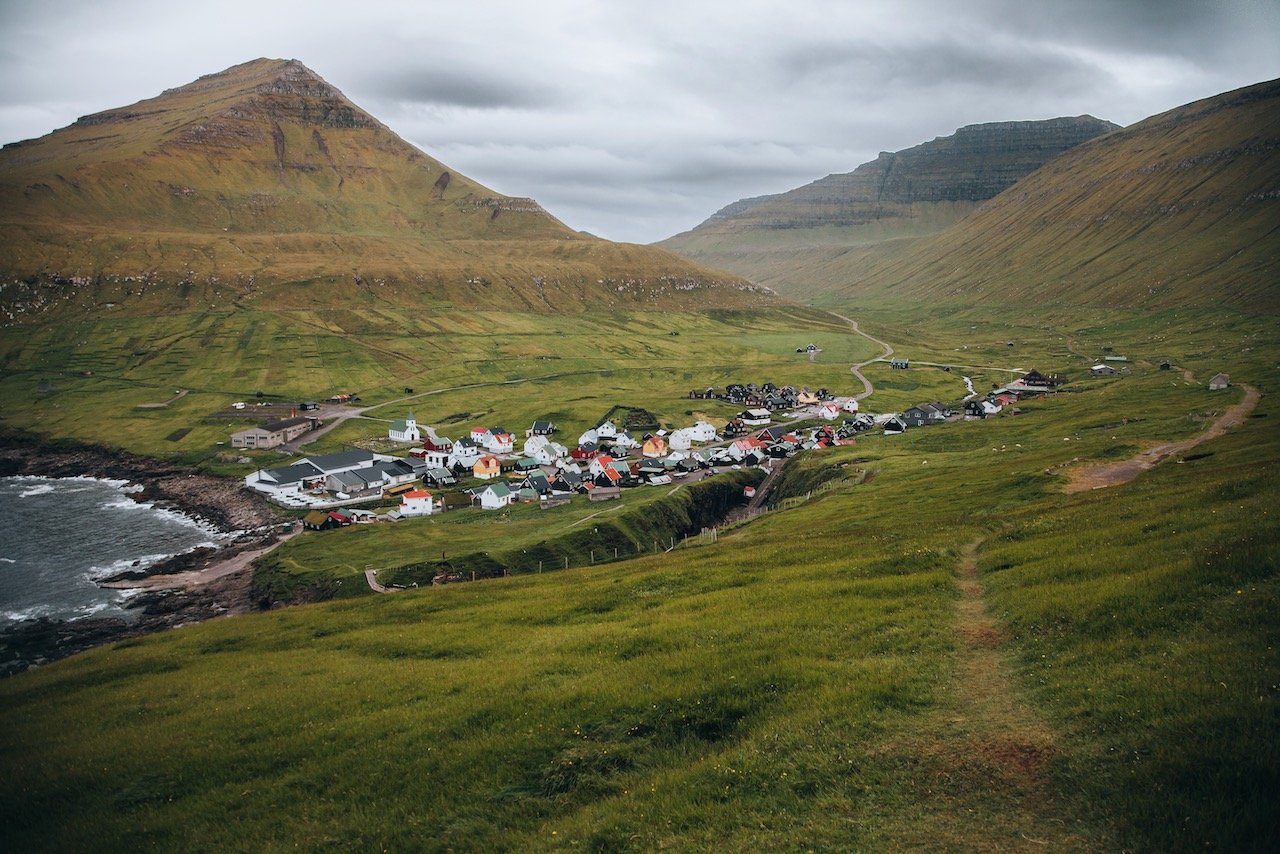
(937, 64)
(637, 121)
(478, 88)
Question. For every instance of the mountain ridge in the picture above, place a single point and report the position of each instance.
(266, 173)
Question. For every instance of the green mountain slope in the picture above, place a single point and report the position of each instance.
(264, 174)
(1181, 209)
(906, 194)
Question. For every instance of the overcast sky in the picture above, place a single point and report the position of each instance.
(635, 121)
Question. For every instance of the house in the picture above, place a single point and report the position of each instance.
(590, 437)
(980, 408)
(604, 493)
(318, 520)
(608, 477)
(538, 483)
(808, 398)
(1035, 379)
(701, 432)
(274, 433)
(535, 443)
(850, 405)
(680, 440)
(341, 519)
(1219, 382)
(829, 411)
(755, 417)
(496, 496)
(625, 442)
(736, 427)
(500, 443)
(285, 479)
(440, 476)
(540, 428)
(899, 364)
(654, 446)
(1101, 370)
(417, 502)
(405, 431)
(599, 463)
(528, 464)
(894, 425)
(432, 442)
(465, 453)
(916, 416)
(585, 451)
(567, 483)
(487, 467)
(607, 430)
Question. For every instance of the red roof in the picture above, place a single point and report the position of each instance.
(416, 493)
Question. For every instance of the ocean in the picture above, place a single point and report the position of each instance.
(59, 535)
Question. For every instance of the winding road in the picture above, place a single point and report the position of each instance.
(867, 388)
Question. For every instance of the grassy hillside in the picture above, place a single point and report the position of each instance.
(897, 198)
(1177, 210)
(948, 653)
(93, 378)
(264, 184)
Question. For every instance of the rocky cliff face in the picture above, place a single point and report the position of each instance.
(974, 164)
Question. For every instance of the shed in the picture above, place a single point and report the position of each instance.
(1219, 382)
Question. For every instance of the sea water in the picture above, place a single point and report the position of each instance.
(59, 536)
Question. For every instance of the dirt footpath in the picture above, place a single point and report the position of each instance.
(1112, 474)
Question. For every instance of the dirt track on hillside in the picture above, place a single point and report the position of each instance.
(1113, 474)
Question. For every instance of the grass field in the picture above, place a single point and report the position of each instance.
(89, 381)
(946, 651)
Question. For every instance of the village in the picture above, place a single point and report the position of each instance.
(491, 468)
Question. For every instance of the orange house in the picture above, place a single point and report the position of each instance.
(487, 467)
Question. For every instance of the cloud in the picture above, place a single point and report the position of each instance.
(637, 121)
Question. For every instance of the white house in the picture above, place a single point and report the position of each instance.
(702, 432)
(405, 431)
(829, 411)
(481, 435)
(607, 430)
(496, 496)
(590, 437)
(756, 417)
(465, 454)
(417, 502)
(680, 440)
(625, 441)
(534, 444)
(599, 464)
(501, 443)
(437, 459)
(850, 405)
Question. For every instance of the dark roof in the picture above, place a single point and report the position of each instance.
(293, 473)
(345, 459)
(284, 424)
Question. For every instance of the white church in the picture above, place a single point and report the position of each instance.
(405, 431)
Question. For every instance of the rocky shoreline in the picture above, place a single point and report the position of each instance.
(219, 502)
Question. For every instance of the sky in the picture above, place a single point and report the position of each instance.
(636, 121)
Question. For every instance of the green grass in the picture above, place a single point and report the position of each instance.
(522, 538)
(804, 682)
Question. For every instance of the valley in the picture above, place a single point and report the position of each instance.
(940, 637)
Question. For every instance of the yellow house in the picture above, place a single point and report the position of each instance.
(487, 467)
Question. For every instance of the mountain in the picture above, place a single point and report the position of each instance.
(905, 194)
(1180, 209)
(265, 175)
